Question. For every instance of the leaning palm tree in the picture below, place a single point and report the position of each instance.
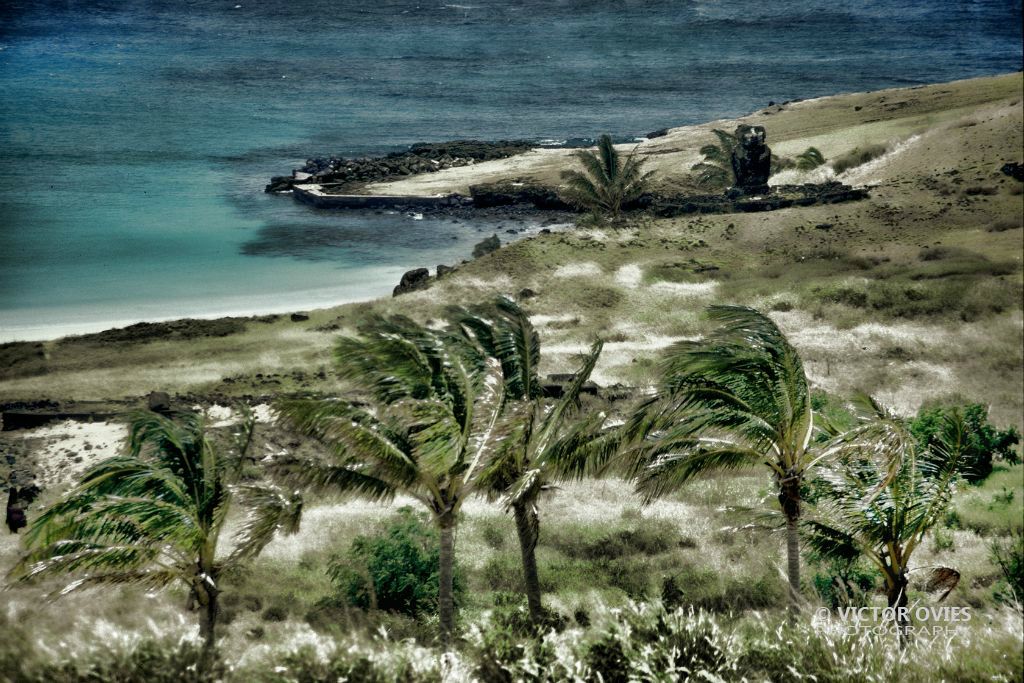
(426, 430)
(540, 441)
(881, 496)
(607, 183)
(716, 168)
(154, 517)
(737, 398)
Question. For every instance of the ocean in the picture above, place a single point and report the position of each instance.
(137, 135)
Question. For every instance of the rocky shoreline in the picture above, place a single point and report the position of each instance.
(341, 175)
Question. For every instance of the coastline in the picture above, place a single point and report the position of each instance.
(808, 121)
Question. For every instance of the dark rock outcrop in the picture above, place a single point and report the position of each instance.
(751, 160)
(299, 317)
(159, 402)
(554, 385)
(420, 158)
(443, 270)
(16, 518)
(779, 197)
(412, 280)
(1015, 170)
(508, 193)
(486, 246)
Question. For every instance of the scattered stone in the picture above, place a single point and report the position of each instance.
(159, 402)
(1015, 170)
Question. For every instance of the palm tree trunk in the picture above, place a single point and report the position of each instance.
(898, 601)
(793, 564)
(445, 592)
(789, 497)
(528, 531)
(208, 619)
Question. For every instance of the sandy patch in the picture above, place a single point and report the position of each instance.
(629, 275)
(585, 269)
(686, 289)
(614, 354)
(65, 450)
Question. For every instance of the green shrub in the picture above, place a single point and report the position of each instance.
(1007, 553)
(810, 159)
(493, 533)
(858, 157)
(984, 441)
(395, 570)
(841, 582)
(151, 661)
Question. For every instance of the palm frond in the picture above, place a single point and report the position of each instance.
(270, 510)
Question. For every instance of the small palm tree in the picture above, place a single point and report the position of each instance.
(154, 517)
(737, 398)
(540, 441)
(810, 159)
(716, 168)
(881, 496)
(606, 182)
(426, 432)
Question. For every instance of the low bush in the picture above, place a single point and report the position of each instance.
(394, 570)
(1007, 553)
(984, 440)
(858, 157)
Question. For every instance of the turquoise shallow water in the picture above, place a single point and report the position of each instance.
(137, 135)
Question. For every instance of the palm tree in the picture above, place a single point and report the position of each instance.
(737, 398)
(540, 441)
(810, 159)
(435, 403)
(716, 168)
(606, 182)
(882, 496)
(154, 517)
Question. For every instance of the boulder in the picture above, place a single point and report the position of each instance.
(486, 246)
(159, 401)
(751, 160)
(526, 293)
(1014, 170)
(299, 317)
(412, 280)
(443, 270)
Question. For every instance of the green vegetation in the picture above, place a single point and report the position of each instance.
(737, 398)
(396, 570)
(716, 168)
(154, 517)
(810, 159)
(607, 183)
(858, 157)
(983, 441)
(882, 496)
(536, 442)
(437, 405)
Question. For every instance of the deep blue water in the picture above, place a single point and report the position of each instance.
(136, 136)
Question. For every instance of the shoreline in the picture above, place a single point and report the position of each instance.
(673, 150)
(527, 222)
